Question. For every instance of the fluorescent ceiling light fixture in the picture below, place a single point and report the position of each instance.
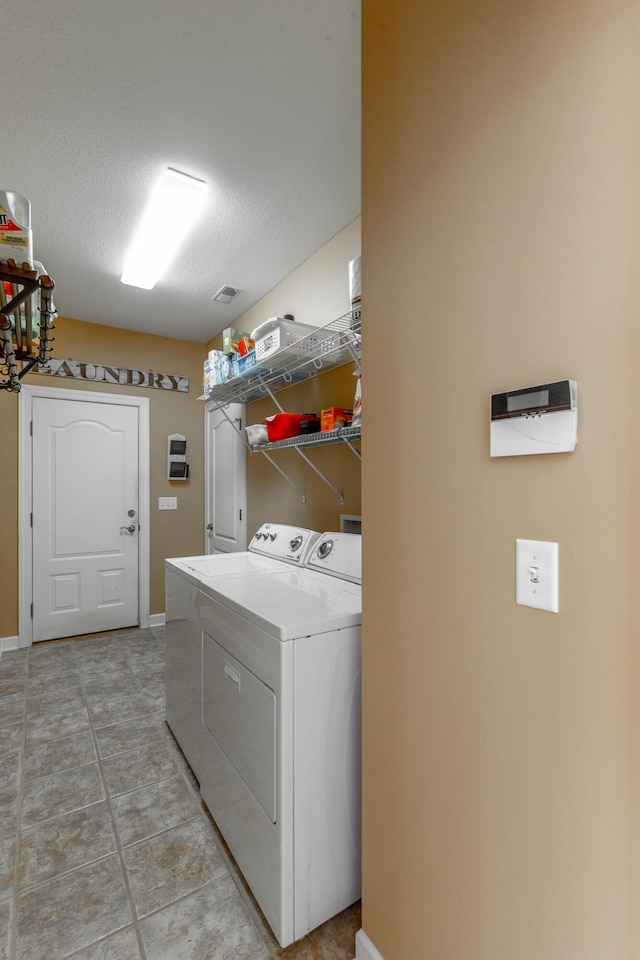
(175, 202)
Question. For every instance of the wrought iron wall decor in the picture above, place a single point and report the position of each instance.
(27, 315)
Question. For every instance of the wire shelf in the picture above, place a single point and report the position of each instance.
(338, 344)
(320, 439)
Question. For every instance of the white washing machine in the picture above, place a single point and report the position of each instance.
(274, 548)
(281, 741)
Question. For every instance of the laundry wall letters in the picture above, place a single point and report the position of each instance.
(81, 370)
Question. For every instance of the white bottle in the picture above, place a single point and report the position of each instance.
(357, 404)
(16, 239)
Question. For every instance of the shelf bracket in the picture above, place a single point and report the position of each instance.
(351, 447)
(355, 356)
(310, 464)
(273, 398)
(283, 474)
(234, 424)
(321, 475)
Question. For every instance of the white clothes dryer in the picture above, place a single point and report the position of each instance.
(274, 548)
(281, 741)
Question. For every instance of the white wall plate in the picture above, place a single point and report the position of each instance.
(537, 574)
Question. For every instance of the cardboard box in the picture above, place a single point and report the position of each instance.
(333, 417)
(231, 340)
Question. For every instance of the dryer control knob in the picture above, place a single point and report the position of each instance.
(325, 548)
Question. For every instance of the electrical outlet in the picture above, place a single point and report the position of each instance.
(167, 503)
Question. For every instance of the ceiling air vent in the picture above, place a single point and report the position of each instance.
(225, 294)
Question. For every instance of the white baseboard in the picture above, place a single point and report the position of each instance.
(365, 950)
(9, 643)
(13, 643)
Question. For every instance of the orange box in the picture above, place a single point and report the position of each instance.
(333, 417)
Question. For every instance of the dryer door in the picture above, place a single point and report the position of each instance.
(239, 711)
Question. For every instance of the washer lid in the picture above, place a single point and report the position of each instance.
(291, 605)
(223, 565)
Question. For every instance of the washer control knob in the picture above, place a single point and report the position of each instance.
(296, 543)
(272, 536)
(325, 549)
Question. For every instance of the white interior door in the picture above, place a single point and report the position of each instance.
(85, 505)
(225, 480)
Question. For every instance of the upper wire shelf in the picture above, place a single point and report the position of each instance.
(328, 347)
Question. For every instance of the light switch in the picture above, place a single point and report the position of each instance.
(167, 503)
(537, 574)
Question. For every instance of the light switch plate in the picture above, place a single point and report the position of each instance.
(537, 574)
(167, 503)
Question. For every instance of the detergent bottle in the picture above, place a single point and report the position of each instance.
(357, 403)
(16, 240)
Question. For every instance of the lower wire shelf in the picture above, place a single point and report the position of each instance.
(319, 439)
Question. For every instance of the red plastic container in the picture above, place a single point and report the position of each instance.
(283, 425)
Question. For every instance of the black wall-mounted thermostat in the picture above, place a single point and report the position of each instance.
(540, 419)
(177, 466)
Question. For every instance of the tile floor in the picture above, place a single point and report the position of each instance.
(106, 851)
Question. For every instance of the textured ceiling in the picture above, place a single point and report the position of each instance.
(259, 98)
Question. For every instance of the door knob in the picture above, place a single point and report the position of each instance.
(129, 529)
(210, 527)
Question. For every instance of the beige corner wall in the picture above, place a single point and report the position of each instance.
(500, 247)
(316, 293)
(173, 533)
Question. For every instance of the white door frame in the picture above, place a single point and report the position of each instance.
(25, 555)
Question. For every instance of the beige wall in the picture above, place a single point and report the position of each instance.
(173, 533)
(500, 246)
(316, 293)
